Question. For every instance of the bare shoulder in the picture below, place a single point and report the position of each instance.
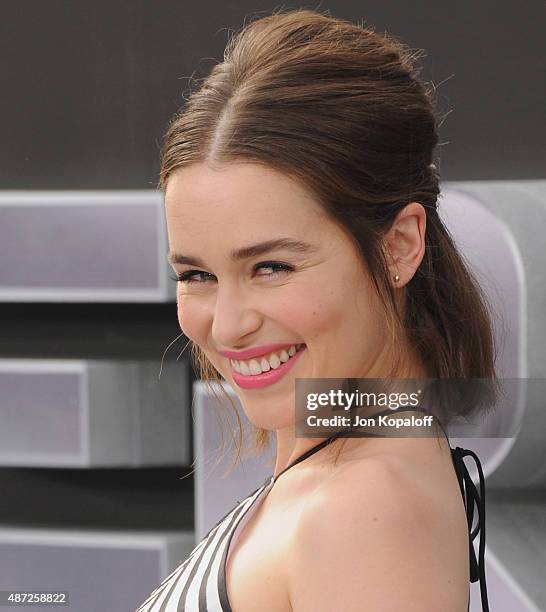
(375, 537)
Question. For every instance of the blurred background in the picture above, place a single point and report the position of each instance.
(97, 428)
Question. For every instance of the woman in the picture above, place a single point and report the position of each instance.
(301, 205)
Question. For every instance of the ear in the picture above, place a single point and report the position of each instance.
(405, 243)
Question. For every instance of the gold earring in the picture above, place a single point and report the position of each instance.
(396, 278)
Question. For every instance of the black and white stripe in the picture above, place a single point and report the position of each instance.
(198, 584)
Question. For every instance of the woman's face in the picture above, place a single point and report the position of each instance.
(319, 296)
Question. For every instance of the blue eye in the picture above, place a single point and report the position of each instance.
(277, 267)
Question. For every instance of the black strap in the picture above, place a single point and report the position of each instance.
(307, 453)
(470, 496)
(314, 449)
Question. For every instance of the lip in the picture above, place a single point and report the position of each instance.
(266, 378)
(256, 351)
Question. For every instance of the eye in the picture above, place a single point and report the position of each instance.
(276, 266)
(185, 277)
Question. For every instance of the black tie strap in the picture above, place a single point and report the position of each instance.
(470, 496)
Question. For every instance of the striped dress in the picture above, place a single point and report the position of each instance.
(199, 583)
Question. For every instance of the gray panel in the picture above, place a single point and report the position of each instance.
(503, 592)
(516, 532)
(78, 246)
(110, 571)
(93, 413)
(40, 412)
(83, 246)
(522, 208)
(164, 397)
(96, 579)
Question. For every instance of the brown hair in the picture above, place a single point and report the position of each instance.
(342, 109)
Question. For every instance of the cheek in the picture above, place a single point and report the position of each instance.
(348, 312)
(192, 319)
(313, 312)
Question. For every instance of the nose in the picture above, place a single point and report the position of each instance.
(234, 317)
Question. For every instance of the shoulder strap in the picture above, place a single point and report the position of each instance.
(308, 453)
(471, 496)
(314, 449)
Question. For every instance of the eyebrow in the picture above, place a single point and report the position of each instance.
(254, 250)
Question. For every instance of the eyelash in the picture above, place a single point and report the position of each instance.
(185, 276)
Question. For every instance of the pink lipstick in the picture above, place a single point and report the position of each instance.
(255, 351)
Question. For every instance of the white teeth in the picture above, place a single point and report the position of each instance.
(274, 361)
(254, 367)
(244, 368)
(263, 364)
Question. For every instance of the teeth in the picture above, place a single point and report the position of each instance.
(244, 368)
(274, 361)
(254, 367)
(264, 364)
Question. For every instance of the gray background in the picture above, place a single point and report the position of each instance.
(88, 86)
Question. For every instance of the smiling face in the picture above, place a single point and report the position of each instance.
(318, 295)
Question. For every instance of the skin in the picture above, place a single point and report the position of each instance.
(325, 302)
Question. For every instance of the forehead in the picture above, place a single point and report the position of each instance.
(239, 194)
